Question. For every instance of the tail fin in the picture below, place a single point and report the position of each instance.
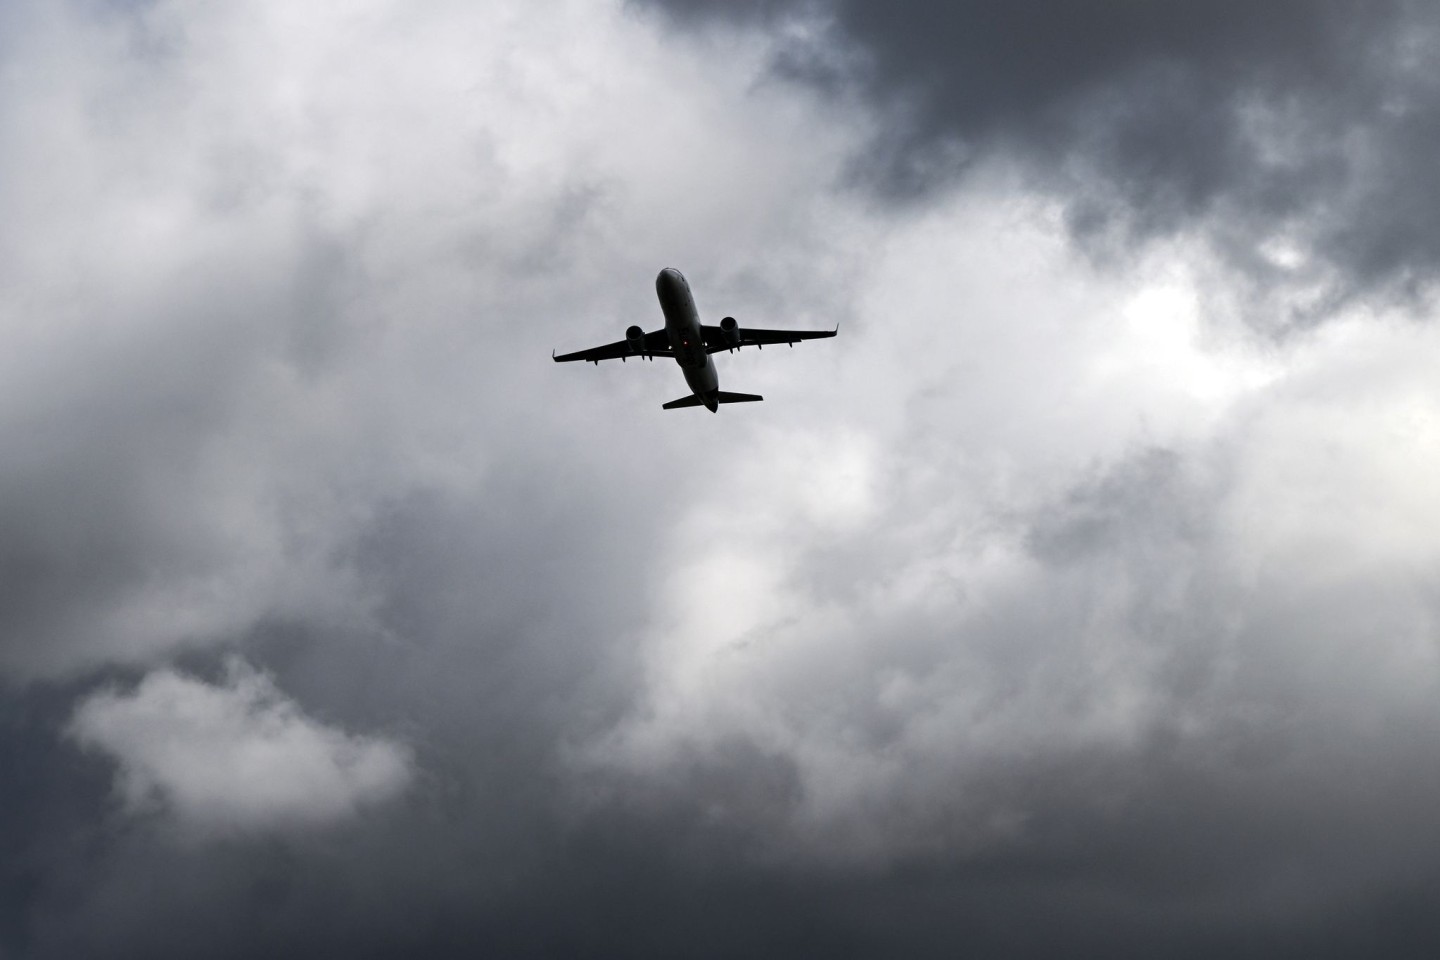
(720, 396)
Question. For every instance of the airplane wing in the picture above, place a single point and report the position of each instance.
(657, 344)
(717, 339)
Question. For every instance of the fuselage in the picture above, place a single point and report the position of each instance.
(682, 325)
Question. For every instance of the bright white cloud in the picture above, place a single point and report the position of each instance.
(235, 756)
(1056, 491)
(269, 269)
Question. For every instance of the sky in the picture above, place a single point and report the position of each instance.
(1081, 597)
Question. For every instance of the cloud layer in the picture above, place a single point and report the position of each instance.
(1047, 609)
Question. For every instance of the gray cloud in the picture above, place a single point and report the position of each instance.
(1040, 612)
(1295, 136)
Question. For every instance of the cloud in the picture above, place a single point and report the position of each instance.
(1046, 606)
(231, 356)
(1294, 136)
(1159, 574)
(234, 756)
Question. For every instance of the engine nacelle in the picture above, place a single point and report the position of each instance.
(730, 329)
(635, 336)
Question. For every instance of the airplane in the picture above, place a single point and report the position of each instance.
(691, 343)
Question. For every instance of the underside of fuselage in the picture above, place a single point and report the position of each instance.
(682, 325)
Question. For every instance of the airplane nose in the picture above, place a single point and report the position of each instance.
(668, 280)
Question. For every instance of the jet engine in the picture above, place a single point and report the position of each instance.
(635, 336)
(731, 331)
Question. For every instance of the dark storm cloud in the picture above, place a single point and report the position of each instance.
(47, 806)
(1307, 125)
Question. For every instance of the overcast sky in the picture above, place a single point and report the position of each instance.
(1081, 598)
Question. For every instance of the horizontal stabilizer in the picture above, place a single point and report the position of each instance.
(694, 400)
